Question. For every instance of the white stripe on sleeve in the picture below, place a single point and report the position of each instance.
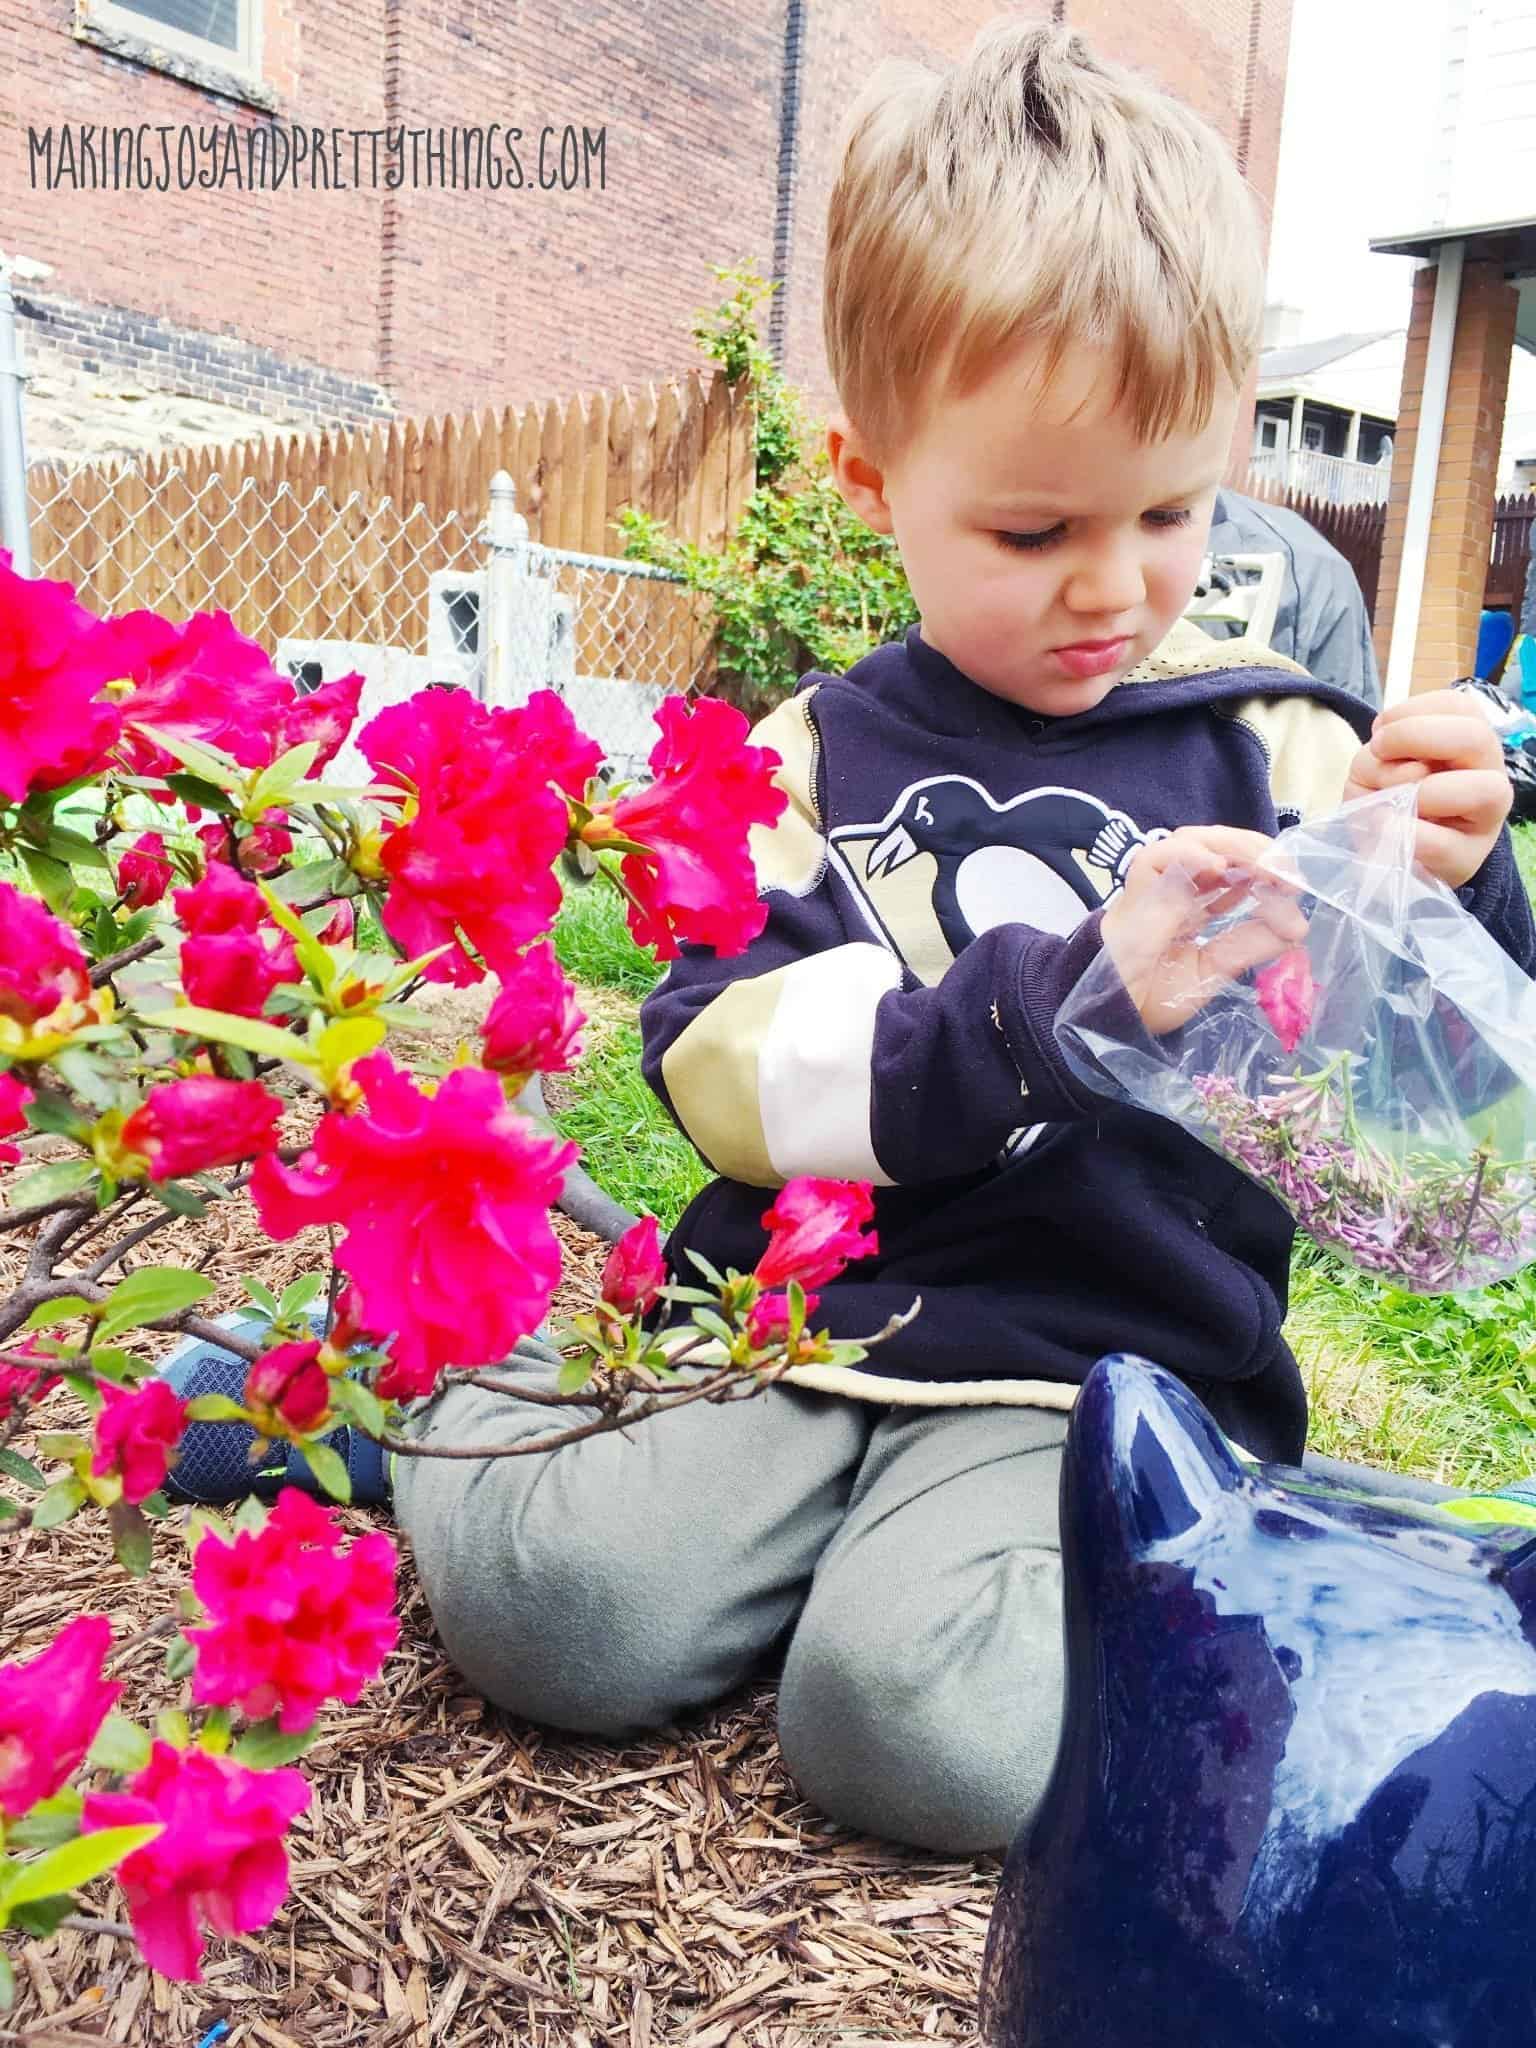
(813, 1069)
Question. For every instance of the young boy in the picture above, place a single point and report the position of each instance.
(1043, 297)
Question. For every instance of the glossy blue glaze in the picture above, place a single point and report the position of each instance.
(1295, 1802)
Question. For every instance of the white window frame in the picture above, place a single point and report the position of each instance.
(1270, 429)
(245, 61)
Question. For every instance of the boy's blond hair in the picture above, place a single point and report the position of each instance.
(1035, 192)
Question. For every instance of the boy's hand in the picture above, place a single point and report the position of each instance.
(1449, 749)
(1151, 932)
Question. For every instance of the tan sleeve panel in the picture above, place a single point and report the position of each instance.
(1188, 650)
(711, 1074)
(1310, 749)
(790, 854)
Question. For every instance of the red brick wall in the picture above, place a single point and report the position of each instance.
(347, 302)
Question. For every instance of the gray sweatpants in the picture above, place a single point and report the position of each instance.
(910, 1557)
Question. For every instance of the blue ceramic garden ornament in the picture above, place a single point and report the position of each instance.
(1295, 1802)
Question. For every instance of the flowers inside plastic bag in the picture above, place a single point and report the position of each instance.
(1379, 1078)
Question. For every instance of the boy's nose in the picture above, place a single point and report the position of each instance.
(1105, 585)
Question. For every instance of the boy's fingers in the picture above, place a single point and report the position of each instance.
(1477, 798)
(1413, 707)
(1460, 739)
(1368, 772)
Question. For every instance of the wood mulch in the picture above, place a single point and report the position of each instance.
(464, 1878)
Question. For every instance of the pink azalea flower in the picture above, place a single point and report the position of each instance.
(695, 880)
(473, 866)
(219, 1861)
(20, 1383)
(635, 1272)
(296, 1617)
(327, 715)
(232, 958)
(189, 1126)
(768, 1318)
(1288, 995)
(202, 680)
(136, 1435)
(287, 1390)
(53, 667)
(144, 872)
(816, 1230)
(14, 1097)
(533, 1025)
(41, 964)
(221, 902)
(445, 1198)
(51, 1707)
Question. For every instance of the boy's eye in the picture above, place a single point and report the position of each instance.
(1042, 539)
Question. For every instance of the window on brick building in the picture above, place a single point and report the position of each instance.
(217, 31)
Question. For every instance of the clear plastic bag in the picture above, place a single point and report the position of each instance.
(1378, 1079)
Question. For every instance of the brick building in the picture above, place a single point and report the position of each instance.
(493, 268)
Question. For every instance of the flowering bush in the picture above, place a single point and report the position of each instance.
(179, 974)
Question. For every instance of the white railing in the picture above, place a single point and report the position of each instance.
(1328, 477)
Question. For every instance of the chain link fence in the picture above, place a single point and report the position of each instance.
(329, 584)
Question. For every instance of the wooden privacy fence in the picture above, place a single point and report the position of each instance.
(334, 535)
(1357, 532)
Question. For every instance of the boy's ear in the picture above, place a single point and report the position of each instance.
(859, 479)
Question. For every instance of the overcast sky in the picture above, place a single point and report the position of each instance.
(1360, 95)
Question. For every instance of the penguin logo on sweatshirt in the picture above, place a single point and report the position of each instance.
(948, 862)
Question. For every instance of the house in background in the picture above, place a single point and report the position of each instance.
(1326, 411)
(1469, 213)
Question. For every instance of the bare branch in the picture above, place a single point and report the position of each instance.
(104, 970)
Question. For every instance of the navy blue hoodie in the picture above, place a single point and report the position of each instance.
(934, 890)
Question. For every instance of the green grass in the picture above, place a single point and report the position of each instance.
(1525, 853)
(594, 946)
(629, 1144)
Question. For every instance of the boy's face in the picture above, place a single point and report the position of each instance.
(1048, 553)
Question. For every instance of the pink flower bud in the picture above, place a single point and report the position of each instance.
(137, 1434)
(635, 1272)
(144, 873)
(189, 1126)
(768, 1318)
(1287, 996)
(288, 1388)
(815, 1226)
(533, 1023)
(51, 1707)
(341, 927)
(41, 964)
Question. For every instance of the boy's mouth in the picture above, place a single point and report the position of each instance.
(1088, 658)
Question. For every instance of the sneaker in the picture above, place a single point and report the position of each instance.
(213, 1467)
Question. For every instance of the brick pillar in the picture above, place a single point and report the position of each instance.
(1461, 528)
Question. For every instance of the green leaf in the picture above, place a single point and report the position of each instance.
(75, 1863)
(148, 1294)
(301, 885)
(330, 1470)
(49, 1183)
(350, 1038)
(8, 1509)
(260, 1293)
(51, 878)
(192, 789)
(133, 1544)
(61, 1443)
(120, 1745)
(23, 1470)
(172, 1726)
(574, 1374)
(74, 849)
(714, 1325)
(350, 1397)
(218, 768)
(87, 1075)
(298, 1294)
(276, 784)
(314, 958)
(251, 1515)
(249, 1032)
(263, 1746)
(215, 1408)
(54, 1113)
(62, 1309)
(156, 1506)
(181, 1659)
(214, 1733)
(50, 1822)
(7, 1983)
(179, 1199)
(711, 1274)
(61, 1500)
(42, 1917)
